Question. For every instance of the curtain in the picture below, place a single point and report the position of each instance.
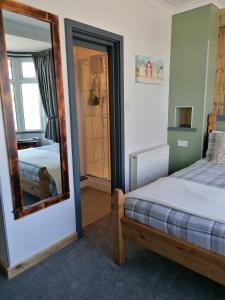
(219, 94)
(44, 67)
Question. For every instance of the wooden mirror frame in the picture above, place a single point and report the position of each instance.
(18, 209)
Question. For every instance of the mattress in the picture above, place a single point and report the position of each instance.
(30, 170)
(203, 232)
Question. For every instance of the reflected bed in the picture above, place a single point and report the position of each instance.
(40, 171)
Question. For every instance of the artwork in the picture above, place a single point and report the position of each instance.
(149, 70)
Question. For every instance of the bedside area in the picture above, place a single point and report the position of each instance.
(27, 143)
(194, 47)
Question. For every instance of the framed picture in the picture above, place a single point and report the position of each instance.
(149, 70)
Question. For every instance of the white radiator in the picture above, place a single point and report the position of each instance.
(148, 165)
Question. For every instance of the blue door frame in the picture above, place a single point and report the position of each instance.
(92, 37)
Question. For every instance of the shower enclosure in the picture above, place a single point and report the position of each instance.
(92, 94)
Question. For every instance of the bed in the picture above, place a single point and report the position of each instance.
(40, 171)
(181, 217)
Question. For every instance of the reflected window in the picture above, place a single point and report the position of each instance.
(12, 92)
(13, 104)
(27, 105)
(28, 70)
(32, 113)
(10, 69)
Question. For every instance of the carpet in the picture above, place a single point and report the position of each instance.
(84, 270)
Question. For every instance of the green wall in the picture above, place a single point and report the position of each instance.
(193, 32)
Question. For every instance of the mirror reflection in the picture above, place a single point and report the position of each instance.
(32, 83)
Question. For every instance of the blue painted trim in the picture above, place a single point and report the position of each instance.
(220, 118)
(81, 33)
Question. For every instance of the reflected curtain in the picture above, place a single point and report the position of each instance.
(45, 74)
(219, 94)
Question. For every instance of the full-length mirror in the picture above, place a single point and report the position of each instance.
(39, 157)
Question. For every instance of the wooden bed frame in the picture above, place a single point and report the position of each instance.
(39, 189)
(198, 259)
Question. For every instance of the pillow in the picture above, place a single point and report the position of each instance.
(216, 147)
(45, 142)
(211, 145)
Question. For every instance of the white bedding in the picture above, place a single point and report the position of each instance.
(193, 198)
(44, 158)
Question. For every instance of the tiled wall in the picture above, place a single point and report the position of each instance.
(94, 127)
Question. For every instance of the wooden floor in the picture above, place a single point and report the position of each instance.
(94, 205)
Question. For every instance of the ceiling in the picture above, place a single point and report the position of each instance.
(177, 6)
(22, 20)
(25, 34)
(22, 44)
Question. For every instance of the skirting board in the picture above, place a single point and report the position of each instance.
(37, 258)
(96, 183)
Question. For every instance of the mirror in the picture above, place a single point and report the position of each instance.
(38, 115)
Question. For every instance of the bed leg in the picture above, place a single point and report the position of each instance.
(117, 215)
(44, 183)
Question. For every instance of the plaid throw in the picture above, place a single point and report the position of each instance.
(204, 172)
(199, 231)
(30, 172)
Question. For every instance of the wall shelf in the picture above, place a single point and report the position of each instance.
(183, 116)
(182, 129)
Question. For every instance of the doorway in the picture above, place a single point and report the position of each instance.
(93, 125)
(95, 79)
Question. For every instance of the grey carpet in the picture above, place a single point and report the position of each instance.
(84, 270)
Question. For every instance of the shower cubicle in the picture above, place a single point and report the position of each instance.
(92, 97)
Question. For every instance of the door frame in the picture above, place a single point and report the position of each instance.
(78, 33)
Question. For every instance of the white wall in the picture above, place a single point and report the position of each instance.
(147, 31)
(3, 245)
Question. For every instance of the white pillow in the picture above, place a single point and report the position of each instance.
(216, 147)
(211, 145)
(45, 142)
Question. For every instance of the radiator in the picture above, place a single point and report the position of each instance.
(148, 165)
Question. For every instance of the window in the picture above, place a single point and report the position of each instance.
(28, 69)
(27, 106)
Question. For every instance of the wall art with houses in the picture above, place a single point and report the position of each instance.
(149, 70)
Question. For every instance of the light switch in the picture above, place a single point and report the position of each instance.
(182, 143)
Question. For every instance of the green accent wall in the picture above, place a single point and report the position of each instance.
(192, 76)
